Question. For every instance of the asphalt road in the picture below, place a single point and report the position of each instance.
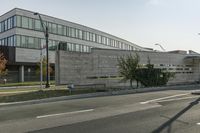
(172, 111)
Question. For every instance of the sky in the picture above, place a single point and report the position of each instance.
(174, 24)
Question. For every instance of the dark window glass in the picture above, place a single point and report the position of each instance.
(5, 25)
(14, 20)
(9, 23)
(0, 27)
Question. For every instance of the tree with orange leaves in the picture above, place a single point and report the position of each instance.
(3, 62)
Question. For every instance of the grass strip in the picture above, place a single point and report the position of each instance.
(41, 94)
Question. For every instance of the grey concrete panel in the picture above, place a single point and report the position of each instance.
(100, 66)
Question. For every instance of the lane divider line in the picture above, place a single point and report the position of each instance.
(162, 98)
(66, 113)
(198, 123)
(176, 99)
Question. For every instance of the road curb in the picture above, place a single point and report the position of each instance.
(100, 94)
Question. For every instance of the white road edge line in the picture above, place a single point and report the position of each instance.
(66, 113)
(162, 98)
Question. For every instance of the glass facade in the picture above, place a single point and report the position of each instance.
(8, 24)
(67, 46)
(36, 43)
(34, 24)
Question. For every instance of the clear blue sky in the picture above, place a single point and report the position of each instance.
(174, 24)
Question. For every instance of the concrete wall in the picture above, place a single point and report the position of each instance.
(100, 66)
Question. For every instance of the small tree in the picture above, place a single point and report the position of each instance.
(44, 64)
(128, 66)
(3, 62)
(150, 76)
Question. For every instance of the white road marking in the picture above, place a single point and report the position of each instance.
(66, 113)
(162, 98)
(176, 99)
(198, 123)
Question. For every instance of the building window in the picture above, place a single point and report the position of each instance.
(54, 28)
(80, 35)
(0, 27)
(94, 37)
(5, 25)
(30, 23)
(50, 27)
(72, 32)
(9, 24)
(23, 41)
(31, 42)
(25, 22)
(37, 25)
(87, 36)
(60, 32)
(68, 31)
(76, 33)
(19, 21)
(84, 35)
(14, 21)
(98, 39)
(91, 36)
(69, 46)
(64, 31)
(18, 40)
(37, 42)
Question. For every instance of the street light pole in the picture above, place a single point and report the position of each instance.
(46, 34)
(160, 46)
(47, 52)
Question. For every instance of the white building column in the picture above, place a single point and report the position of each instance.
(21, 73)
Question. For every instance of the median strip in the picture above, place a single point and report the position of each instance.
(66, 113)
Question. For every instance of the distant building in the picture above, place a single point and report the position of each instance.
(21, 38)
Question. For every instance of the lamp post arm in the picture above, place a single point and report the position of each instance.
(160, 46)
(42, 23)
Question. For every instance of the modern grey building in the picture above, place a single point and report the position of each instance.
(21, 38)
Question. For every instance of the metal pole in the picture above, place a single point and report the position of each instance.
(41, 71)
(46, 34)
(47, 51)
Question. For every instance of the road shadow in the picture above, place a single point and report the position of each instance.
(168, 124)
